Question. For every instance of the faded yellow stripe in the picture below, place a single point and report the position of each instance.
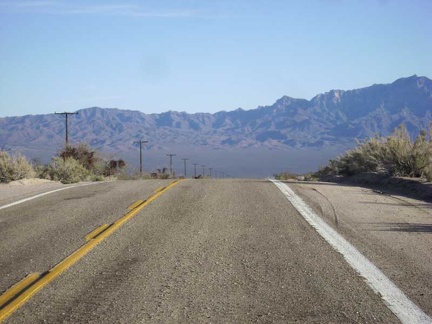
(95, 232)
(158, 189)
(18, 287)
(74, 257)
(135, 204)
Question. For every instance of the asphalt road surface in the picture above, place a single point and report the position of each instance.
(211, 251)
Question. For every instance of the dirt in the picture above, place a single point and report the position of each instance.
(27, 182)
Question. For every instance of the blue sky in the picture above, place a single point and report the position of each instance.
(202, 56)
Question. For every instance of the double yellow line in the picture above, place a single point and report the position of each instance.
(18, 294)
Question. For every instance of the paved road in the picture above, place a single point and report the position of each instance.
(204, 251)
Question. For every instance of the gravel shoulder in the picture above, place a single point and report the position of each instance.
(393, 231)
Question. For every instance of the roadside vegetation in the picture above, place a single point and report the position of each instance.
(397, 155)
(72, 164)
(14, 168)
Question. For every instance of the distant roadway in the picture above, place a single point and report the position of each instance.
(215, 251)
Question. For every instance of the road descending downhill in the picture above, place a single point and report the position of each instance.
(197, 251)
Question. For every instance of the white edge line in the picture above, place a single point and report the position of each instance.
(393, 297)
(45, 193)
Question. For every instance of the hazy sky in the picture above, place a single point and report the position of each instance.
(202, 56)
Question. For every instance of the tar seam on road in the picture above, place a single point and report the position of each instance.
(336, 218)
(393, 297)
(45, 193)
(25, 289)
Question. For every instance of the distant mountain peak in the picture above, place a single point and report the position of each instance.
(328, 119)
(413, 79)
(286, 101)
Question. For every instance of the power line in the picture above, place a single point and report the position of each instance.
(171, 169)
(184, 160)
(140, 144)
(195, 164)
(66, 114)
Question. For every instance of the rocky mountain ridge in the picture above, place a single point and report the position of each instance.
(333, 118)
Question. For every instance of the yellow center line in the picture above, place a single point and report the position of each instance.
(96, 232)
(158, 189)
(34, 287)
(135, 204)
(17, 288)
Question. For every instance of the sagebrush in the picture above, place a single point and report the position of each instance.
(394, 155)
(14, 167)
(67, 170)
(72, 164)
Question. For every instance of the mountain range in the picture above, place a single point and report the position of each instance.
(331, 120)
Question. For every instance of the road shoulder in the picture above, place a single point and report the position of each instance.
(392, 231)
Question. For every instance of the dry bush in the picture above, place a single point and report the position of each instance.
(98, 168)
(80, 152)
(14, 168)
(395, 155)
(67, 170)
(286, 176)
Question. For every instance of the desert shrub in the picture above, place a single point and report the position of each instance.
(285, 176)
(164, 176)
(310, 176)
(368, 157)
(395, 155)
(67, 170)
(112, 167)
(80, 152)
(428, 173)
(126, 176)
(98, 168)
(44, 172)
(427, 161)
(96, 177)
(421, 154)
(162, 173)
(14, 168)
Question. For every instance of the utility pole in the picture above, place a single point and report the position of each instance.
(171, 170)
(140, 144)
(203, 166)
(215, 174)
(195, 164)
(66, 114)
(210, 171)
(184, 160)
